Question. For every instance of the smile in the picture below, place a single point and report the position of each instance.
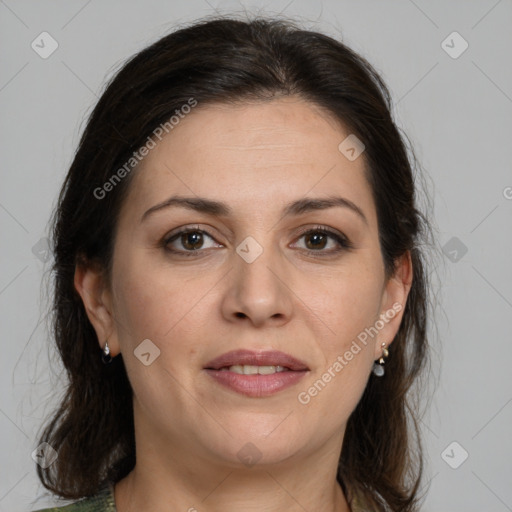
(248, 369)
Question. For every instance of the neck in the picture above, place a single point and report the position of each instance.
(174, 478)
(231, 491)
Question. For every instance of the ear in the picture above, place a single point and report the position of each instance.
(394, 298)
(91, 284)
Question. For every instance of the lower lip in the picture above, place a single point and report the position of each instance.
(256, 385)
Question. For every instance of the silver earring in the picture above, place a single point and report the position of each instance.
(106, 357)
(378, 368)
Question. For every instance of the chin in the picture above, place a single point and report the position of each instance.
(269, 442)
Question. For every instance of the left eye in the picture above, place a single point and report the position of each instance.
(318, 239)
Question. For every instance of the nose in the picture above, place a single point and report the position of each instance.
(258, 292)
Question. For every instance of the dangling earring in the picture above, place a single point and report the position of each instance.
(106, 357)
(378, 368)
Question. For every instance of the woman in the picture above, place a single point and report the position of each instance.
(240, 296)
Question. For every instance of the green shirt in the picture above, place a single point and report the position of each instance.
(103, 501)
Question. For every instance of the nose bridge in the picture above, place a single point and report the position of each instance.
(255, 262)
(257, 289)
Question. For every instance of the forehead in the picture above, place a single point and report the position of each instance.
(256, 152)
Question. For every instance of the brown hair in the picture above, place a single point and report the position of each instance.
(227, 60)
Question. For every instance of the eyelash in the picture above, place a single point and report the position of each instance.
(343, 241)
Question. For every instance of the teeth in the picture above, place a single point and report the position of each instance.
(249, 370)
(255, 370)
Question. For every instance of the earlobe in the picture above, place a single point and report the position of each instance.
(90, 284)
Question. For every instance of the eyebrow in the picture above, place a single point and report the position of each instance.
(218, 209)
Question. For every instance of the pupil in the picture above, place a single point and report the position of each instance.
(319, 238)
(195, 238)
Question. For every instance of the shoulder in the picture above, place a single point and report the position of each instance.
(102, 501)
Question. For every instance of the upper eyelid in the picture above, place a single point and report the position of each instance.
(191, 229)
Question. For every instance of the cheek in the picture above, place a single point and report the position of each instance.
(162, 305)
(148, 299)
(335, 388)
(348, 304)
(139, 308)
(152, 305)
(333, 392)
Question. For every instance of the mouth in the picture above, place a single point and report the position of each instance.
(256, 374)
(249, 369)
(250, 362)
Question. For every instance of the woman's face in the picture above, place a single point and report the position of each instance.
(248, 277)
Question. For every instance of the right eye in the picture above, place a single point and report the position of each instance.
(190, 240)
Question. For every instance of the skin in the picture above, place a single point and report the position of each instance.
(255, 157)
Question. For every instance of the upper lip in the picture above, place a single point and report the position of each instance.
(249, 357)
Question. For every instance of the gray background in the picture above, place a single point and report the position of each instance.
(457, 112)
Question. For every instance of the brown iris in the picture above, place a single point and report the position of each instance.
(319, 240)
(192, 240)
